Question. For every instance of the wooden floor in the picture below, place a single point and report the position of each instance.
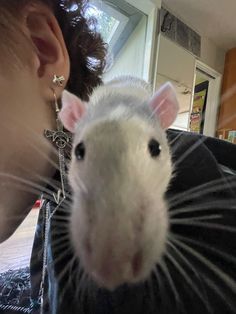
(16, 251)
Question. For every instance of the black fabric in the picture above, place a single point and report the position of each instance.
(197, 288)
(15, 291)
(223, 151)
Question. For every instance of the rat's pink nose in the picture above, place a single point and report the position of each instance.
(137, 263)
(112, 273)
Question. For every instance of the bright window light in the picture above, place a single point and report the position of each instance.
(107, 24)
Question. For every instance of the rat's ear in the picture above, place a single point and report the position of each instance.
(165, 105)
(72, 110)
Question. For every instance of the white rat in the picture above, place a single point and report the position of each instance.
(119, 173)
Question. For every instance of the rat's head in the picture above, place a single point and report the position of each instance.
(119, 174)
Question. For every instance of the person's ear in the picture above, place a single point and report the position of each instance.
(51, 55)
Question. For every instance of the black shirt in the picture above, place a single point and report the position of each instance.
(198, 281)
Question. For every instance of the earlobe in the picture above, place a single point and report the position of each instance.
(46, 36)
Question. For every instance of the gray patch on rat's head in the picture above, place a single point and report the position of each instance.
(101, 136)
(110, 102)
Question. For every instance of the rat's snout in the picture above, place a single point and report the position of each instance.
(118, 244)
(110, 270)
(119, 219)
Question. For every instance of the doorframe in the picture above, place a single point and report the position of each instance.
(213, 97)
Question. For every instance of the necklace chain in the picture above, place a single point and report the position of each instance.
(63, 142)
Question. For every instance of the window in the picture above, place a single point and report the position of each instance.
(116, 21)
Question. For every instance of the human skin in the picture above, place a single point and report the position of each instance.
(26, 110)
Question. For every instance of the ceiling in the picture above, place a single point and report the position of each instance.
(214, 19)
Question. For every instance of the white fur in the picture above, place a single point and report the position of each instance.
(119, 210)
(126, 85)
(117, 113)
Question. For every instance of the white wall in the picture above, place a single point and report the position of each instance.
(177, 65)
(212, 55)
(181, 122)
(130, 59)
(175, 62)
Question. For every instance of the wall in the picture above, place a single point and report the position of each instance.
(130, 59)
(212, 55)
(175, 62)
(181, 122)
(227, 114)
(177, 65)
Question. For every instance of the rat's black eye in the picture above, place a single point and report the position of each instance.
(80, 151)
(154, 148)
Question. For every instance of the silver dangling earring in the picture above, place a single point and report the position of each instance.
(63, 142)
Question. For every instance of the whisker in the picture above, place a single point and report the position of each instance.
(69, 282)
(176, 138)
(55, 184)
(64, 208)
(66, 219)
(14, 217)
(61, 225)
(26, 182)
(166, 272)
(151, 291)
(39, 138)
(187, 279)
(63, 255)
(192, 268)
(220, 274)
(52, 184)
(215, 182)
(83, 286)
(208, 247)
(58, 207)
(207, 206)
(65, 270)
(33, 191)
(220, 293)
(81, 185)
(60, 231)
(160, 282)
(79, 283)
(189, 151)
(204, 189)
(49, 181)
(199, 218)
(63, 239)
(157, 107)
(206, 225)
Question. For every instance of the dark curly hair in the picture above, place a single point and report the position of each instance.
(86, 49)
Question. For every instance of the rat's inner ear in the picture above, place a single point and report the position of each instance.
(165, 105)
(72, 110)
